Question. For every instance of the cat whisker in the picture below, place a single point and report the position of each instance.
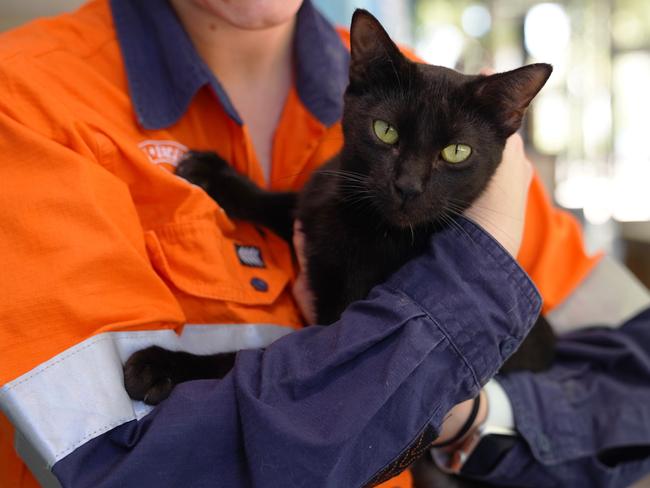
(494, 225)
(351, 192)
(291, 175)
(288, 176)
(456, 226)
(496, 212)
(353, 184)
(361, 203)
(460, 206)
(342, 172)
(350, 181)
(361, 199)
(449, 219)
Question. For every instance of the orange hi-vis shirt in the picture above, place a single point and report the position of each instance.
(99, 236)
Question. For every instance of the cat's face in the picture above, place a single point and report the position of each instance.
(425, 138)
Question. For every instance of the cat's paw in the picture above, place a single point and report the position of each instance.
(202, 168)
(149, 374)
(219, 180)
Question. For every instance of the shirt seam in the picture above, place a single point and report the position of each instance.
(444, 332)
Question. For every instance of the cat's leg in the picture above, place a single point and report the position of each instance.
(151, 374)
(237, 195)
(536, 353)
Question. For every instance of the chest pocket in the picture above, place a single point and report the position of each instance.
(241, 266)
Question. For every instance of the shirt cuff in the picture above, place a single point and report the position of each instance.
(499, 406)
(507, 306)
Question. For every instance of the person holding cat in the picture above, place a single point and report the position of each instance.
(105, 251)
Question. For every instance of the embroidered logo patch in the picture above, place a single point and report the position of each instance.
(250, 256)
(170, 152)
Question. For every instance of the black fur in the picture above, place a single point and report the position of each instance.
(374, 206)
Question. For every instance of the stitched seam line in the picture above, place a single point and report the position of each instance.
(416, 439)
(112, 335)
(498, 258)
(443, 331)
(94, 433)
(69, 355)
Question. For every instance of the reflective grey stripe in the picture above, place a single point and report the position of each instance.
(35, 462)
(79, 394)
(609, 295)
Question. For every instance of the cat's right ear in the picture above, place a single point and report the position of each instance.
(371, 49)
(508, 94)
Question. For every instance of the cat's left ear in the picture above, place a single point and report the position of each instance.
(372, 52)
(508, 94)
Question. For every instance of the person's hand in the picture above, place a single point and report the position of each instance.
(501, 209)
(301, 291)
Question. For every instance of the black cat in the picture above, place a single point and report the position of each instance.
(421, 144)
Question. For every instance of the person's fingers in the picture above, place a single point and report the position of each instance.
(487, 71)
(299, 244)
(300, 289)
(304, 298)
(514, 158)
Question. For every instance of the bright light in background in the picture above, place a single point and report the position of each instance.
(551, 122)
(631, 195)
(628, 28)
(614, 186)
(476, 20)
(623, 195)
(596, 122)
(632, 147)
(507, 58)
(442, 45)
(547, 31)
(575, 80)
(631, 82)
(586, 190)
(598, 206)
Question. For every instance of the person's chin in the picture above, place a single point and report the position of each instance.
(252, 14)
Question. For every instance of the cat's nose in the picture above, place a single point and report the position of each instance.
(407, 189)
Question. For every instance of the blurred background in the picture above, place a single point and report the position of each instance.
(588, 132)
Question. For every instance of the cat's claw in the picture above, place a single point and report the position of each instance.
(149, 375)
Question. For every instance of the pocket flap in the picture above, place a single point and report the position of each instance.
(199, 260)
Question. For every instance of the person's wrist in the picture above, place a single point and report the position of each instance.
(484, 445)
(456, 420)
(501, 209)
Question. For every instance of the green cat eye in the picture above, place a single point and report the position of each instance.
(456, 153)
(385, 132)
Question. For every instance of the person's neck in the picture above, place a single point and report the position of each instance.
(253, 66)
(237, 55)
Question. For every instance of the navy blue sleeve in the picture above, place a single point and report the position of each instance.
(586, 421)
(335, 406)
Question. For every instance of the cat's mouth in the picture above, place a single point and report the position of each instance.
(408, 214)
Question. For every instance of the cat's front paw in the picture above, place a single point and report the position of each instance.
(221, 181)
(204, 169)
(150, 374)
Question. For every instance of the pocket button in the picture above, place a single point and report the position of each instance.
(259, 284)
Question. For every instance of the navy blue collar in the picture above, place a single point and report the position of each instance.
(165, 71)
